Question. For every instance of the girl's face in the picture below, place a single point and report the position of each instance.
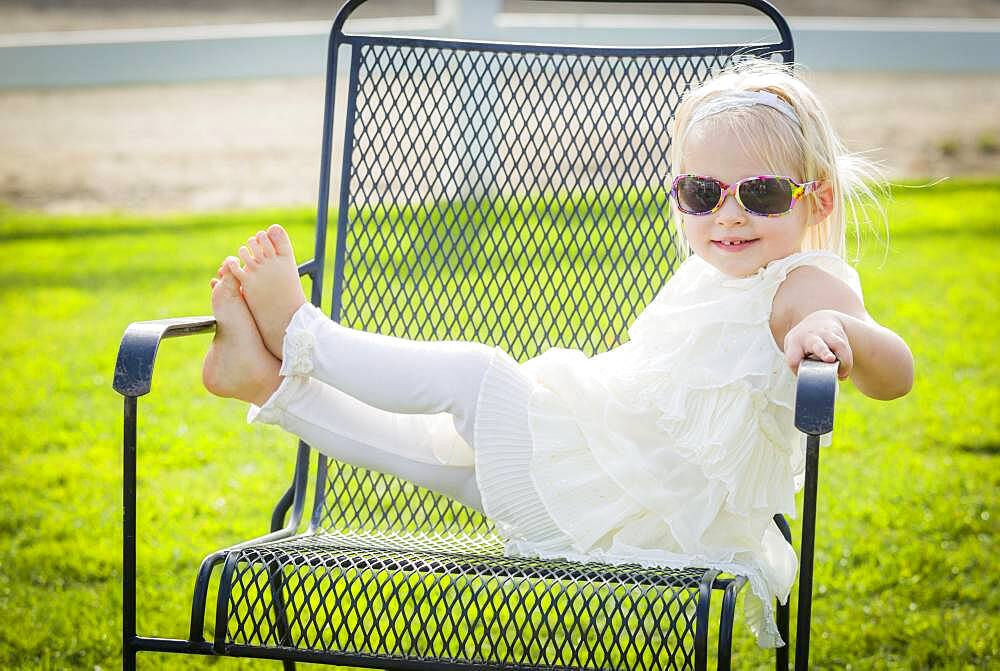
(717, 152)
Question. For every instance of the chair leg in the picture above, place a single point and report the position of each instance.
(725, 652)
(276, 581)
(288, 665)
(781, 654)
(128, 533)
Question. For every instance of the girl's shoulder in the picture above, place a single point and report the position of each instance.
(697, 291)
(815, 280)
(821, 265)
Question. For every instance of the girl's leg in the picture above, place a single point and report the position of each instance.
(397, 375)
(344, 428)
(238, 365)
(393, 374)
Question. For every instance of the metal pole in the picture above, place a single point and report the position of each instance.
(128, 536)
(808, 542)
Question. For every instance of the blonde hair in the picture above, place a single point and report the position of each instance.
(811, 148)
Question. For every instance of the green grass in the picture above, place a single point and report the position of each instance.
(905, 559)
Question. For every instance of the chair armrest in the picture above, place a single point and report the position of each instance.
(137, 351)
(815, 395)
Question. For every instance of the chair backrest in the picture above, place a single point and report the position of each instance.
(513, 194)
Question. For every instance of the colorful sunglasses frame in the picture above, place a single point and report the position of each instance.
(798, 191)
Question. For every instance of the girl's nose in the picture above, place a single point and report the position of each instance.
(730, 214)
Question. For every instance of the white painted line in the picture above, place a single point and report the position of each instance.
(213, 32)
(894, 25)
(291, 49)
(705, 22)
(421, 24)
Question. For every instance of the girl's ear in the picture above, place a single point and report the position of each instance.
(821, 205)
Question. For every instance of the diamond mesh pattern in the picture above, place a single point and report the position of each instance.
(515, 198)
(431, 605)
(476, 176)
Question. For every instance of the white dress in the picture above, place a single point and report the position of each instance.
(674, 449)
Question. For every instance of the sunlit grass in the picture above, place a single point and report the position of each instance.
(905, 563)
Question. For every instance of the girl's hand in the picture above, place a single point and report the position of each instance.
(823, 335)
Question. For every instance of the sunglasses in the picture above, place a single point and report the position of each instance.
(763, 195)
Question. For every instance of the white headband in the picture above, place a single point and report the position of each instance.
(739, 98)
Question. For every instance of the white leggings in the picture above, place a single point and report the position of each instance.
(394, 405)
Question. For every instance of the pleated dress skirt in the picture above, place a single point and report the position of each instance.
(503, 451)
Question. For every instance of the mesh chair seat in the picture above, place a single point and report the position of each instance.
(440, 596)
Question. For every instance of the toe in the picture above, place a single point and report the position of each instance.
(225, 290)
(230, 277)
(246, 257)
(280, 240)
(232, 264)
(255, 250)
(265, 244)
(212, 282)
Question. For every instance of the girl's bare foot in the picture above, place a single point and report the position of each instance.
(238, 364)
(270, 281)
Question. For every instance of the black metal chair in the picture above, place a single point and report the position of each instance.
(514, 194)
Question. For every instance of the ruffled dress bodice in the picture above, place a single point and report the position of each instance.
(678, 447)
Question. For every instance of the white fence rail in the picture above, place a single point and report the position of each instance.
(87, 58)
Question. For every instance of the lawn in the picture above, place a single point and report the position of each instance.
(906, 553)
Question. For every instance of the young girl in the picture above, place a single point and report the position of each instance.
(674, 449)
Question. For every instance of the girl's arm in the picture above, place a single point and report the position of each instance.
(815, 314)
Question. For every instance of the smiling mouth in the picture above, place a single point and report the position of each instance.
(733, 244)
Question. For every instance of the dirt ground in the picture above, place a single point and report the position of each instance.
(218, 145)
(214, 145)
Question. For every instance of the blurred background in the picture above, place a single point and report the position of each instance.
(141, 142)
(916, 83)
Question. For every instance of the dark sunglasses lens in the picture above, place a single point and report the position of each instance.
(696, 195)
(767, 195)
